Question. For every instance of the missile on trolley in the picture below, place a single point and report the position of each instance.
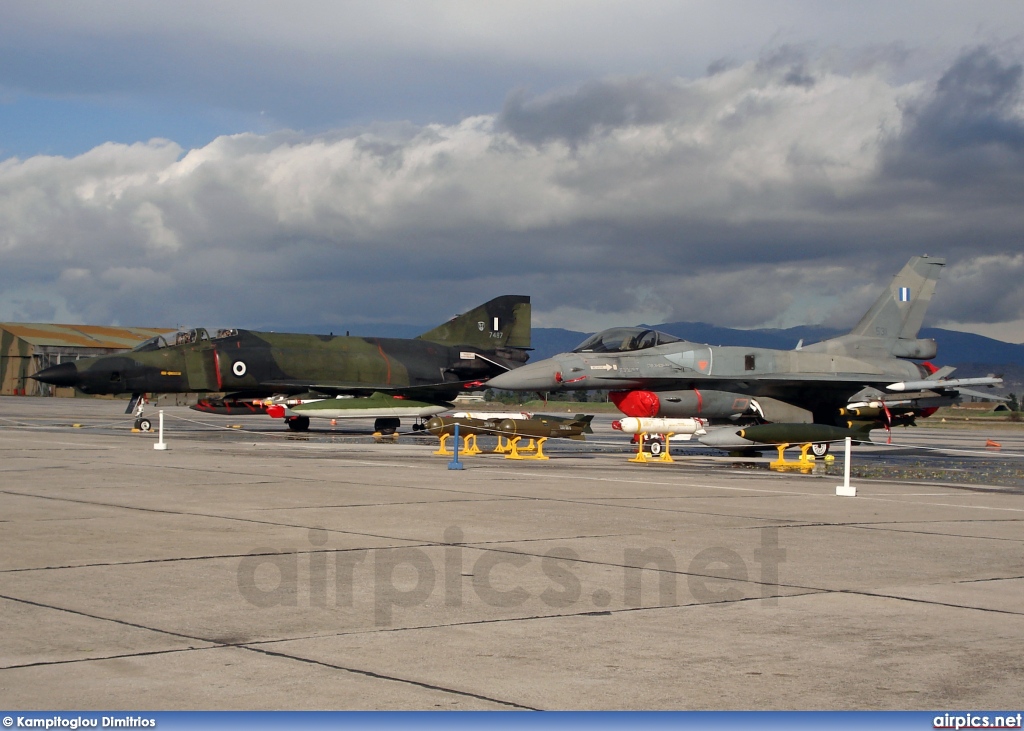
(376, 405)
(751, 436)
(441, 425)
(801, 433)
(545, 426)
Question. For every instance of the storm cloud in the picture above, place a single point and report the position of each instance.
(783, 190)
(969, 130)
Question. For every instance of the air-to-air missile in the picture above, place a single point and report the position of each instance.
(655, 374)
(246, 368)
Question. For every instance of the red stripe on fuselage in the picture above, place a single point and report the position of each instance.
(216, 367)
(386, 362)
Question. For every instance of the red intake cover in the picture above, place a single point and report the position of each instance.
(636, 403)
(275, 411)
(931, 368)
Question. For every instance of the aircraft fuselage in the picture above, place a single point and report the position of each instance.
(246, 361)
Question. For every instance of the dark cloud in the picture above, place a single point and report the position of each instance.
(593, 108)
(721, 65)
(791, 63)
(986, 289)
(968, 130)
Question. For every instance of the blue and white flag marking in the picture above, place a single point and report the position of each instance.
(904, 295)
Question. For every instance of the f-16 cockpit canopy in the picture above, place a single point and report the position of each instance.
(624, 339)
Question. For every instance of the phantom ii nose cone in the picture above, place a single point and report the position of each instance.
(64, 374)
(532, 377)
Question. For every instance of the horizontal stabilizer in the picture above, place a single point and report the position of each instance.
(982, 396)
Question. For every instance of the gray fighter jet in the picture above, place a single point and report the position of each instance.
(877, 375)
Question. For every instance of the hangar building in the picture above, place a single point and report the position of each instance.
(27, 348)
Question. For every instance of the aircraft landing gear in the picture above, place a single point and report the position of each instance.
(135, 407)
(386, 426)
(419, 426)
(298, 423)
(820, 449)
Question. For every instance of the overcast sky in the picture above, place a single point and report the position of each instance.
(331, 165)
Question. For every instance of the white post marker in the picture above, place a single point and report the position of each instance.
(160, 444)
(846, 489)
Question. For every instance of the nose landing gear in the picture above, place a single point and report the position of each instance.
(136, 407)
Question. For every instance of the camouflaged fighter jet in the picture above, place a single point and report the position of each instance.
(862, 380)
(386, 378)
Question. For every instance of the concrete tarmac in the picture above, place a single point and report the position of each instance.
(253, 569)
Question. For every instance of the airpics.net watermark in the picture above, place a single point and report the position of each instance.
(408, 577)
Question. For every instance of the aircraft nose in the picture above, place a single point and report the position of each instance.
(64, 374)
(532, 377)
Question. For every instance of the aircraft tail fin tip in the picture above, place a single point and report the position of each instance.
(899, 311)
(503, 322)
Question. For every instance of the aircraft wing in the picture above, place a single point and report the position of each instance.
(762, 382)
(688, 380)
(343, 388)
(979, 394)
